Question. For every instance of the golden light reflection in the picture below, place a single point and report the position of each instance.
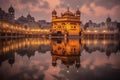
(68, 51)
(68, 71)
(104, 31)
(95, 42)
(88, 42)
(95, 31)
(16, 44)
(104, 42)
(88, 31)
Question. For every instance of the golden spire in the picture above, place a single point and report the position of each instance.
(68, 7)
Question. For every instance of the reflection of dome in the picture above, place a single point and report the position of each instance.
(77, 65)
(2, 12)
(11, 9)
(0, 8)
(108, 19)
(108, 53)
(54, 12)
(22, 18)
(11, 61)
(54, 64)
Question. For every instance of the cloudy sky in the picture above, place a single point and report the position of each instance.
(96, 10)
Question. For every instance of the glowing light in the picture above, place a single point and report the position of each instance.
(77, 71)
(104, 30)
(104, 42)
(95, 31)
(68, 26)
(68, 71)
(20, 29)
(95, 42)
(88, 31)
(88, 42)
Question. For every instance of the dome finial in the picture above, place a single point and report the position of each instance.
(77, 11)
(68, 7)
(78, 7)
(108, 15)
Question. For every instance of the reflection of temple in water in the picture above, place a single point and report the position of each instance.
(68, 51)
(22, 47)
(107, 46)
(9, 56)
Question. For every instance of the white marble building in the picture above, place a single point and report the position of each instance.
(108, 26)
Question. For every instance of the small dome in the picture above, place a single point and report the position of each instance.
(68, 13)
(28, 16)
(77, 65)
(54, 12)
(54, 64)
(78, 12)
(21, 18)
(108, 19)
(11, 61)
(11, 9)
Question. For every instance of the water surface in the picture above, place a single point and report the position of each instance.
(59, 59)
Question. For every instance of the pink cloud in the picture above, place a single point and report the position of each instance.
(99, 12)
(36, 8)
(97, 59)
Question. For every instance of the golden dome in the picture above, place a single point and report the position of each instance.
(78, 12)
(54, 12)
(68, 13)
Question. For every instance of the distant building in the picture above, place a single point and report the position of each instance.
(108, 26)
(27, 22)
(111, 26)
(7, 16)
(67, 24)
(30, 22)
(44, 24)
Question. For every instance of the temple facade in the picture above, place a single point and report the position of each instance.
(67, 25)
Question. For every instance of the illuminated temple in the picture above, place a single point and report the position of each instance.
(66, 25)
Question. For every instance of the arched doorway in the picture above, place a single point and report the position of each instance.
(59, 33)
